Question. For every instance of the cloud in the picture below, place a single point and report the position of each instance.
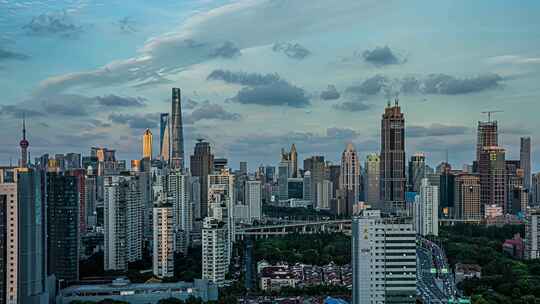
(280, 93)
(211, 111)
(370, 86)
(127, 25)
(381, 56)
(65, 109)
(435, 130)
(450, 85)
(9, 55)
(243, 78)
(120, 101)
(352, 106)
(331, 93)
(136, 121)
(188, 103)
(513, 59)
(18, 112)
(53, 24)
(295, 51)
(410, 85)
(343, 133)
(227, 50)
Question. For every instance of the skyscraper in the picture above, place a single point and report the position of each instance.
(253, 199)
(317, 167)
(214, 251)
(201, 164)
(383, 260)
(467, 196)
(147, 142)
(177, 132)
(417, 169)
(427, 209)
(525, 160)
(393, 158)
(487, 136)
(164, 137)
(349, 182)
(221, 203)
(283, 180)
(10, 244)
(63, 233)
(373, 181)
(492, 169)
(293, 161)
(179, 194)
(163, 241)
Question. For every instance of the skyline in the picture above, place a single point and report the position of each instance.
(238, 103)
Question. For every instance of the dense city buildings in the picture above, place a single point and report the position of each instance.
(383, 259)
(393, 159)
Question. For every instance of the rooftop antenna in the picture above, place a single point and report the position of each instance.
(491, 112)
(396, 101)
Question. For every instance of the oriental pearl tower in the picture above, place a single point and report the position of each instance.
(24, 147)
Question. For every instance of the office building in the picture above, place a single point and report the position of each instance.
(316, 165)
(283, 180)
(163, 241)
(177, 131)
(332, 174)
(63, 230)
(123, 218)
(270, 173)
(254, 199)
(221, 204)
(532, 238)
(492, 169)
(201, 164)
(307, 192)
(427, 209)
(295, 188)
(349, 182)
(291, 158)
(324, 195)
(72, 161)
(393, 158)
(383, 259)
(372, 181)
(525, 160)
(417, 170)
(90, 197)
(164, 137)
(487, 136)
(9, 242)
(220, 164)
(535, 189)
(467, 197)
(446, 183)
(147, 142)
(215, 263)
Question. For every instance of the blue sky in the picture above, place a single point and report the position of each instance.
(257, 75)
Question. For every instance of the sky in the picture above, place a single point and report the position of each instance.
(259, 75)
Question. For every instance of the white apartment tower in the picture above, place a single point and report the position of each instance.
(214, 251)
(383, 259)
(532, 238)
(164, 241)
(179, 195)
(427, 209)
(253, 199)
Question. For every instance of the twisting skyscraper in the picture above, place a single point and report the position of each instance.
(177, 133)
(393, 158)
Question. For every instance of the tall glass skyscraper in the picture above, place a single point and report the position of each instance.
(177, 133)
(164, 137)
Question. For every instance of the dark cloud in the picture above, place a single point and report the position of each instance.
(380, 56)
(331, 93)
(370, 86)
(435, 130)
(227, 50)
(410, 85)
(136, 121)
(211, 111)
(18, 112)
(243, 78)
(6, 55)
(292, 50)
(65, 109)
(57, 24)
(127, 25)
(120, 101)
(352, 106)
(450, 85)
(188, 103)
(280, 93)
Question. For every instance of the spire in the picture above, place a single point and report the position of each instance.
(396, 101)
(24, 126)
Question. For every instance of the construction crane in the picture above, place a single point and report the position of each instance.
(491, 112)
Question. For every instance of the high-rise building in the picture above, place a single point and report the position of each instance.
(535, 189)
(179, 194)
(427, 209)
(283, 180)
(532, 237)
(324, 195)
(492, 169)
(221, 203)
(214, 251)
(373, 181)
(63, 233)
(307, 192)
(253, 199)
(270, 173)
(525, 160)
(317, 167)
(487, 136)
(243, 168)
(177, 131)
(73, 161)
(90, 197)
(417, 170)
(220, 164)
(122, 222)
(383, 259)
(163, 241)
(349, 180)
(201, 164)
(164, 137)
(9, 242)
(333, 172)
(467, 196)
(293, 162)
(4, 211)
(147, 142)
(23, 163)
(393, 158)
